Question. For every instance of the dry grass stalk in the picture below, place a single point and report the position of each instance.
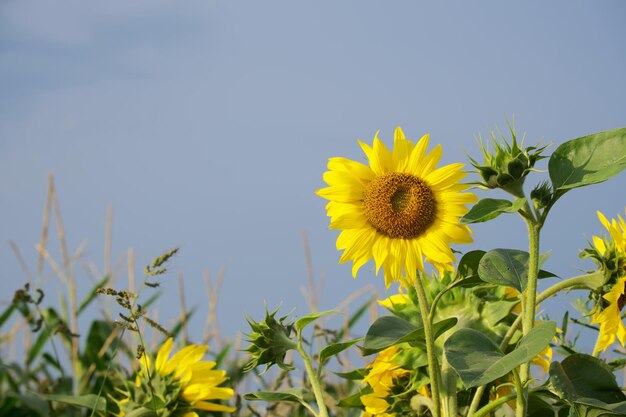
(311, 295)
(211, 329)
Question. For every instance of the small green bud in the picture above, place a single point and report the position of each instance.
(541, 195)
(270, 341)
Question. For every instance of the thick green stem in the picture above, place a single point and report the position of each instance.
(313, 379)
(433, 368)
(530, 295)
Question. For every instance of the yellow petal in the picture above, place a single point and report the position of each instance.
(163, 354)
(203, 405)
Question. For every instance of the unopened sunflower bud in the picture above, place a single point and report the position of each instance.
(541, 195)
(270, 341)
(507, 165)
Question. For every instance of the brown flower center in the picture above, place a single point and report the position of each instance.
(399, 205)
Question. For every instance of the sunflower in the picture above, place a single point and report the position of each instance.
(184, 382)
(612, 250)
(382, 376)
(399, 210)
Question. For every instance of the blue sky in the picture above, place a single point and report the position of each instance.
(208, 125)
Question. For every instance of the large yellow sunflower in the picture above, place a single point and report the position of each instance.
(398, 210)
(613, 249)
(188, 382)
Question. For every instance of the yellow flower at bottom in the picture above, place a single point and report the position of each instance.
(197, 381)
(398, 210)
(382, 373)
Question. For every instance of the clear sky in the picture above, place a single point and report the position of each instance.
(208, 124)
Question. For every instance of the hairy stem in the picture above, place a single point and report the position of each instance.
(313, 379)
(433, 368)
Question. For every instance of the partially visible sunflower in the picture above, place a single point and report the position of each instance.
(611, 252)
(178, 385)
(382, 376)
(398, 210)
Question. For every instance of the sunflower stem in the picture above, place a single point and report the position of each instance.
(313, 379)
(529, 302)
(433, 368)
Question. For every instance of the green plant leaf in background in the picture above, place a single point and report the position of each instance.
(335, 348)
(390, 330)
(490, 208)
(478, 360)
(588, 160)
(588, 384)
(90, 401)
(290, 395)
(468, 265)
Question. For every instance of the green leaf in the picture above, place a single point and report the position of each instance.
(353, 401)
(98, 334)
(390, 330)
(490, 208)
(304, 321)
(478, 360)
(507, 267)
(468, 265)
(485, 209)
(579, 376)
(357, 374)
(335, 348)
(91, 401)
(588, 160)
(290, 395)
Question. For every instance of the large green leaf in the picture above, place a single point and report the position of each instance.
(588, 160)
(490, 208)
(390, 330)
(478, 360)
(508, 267)
(589, 385)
